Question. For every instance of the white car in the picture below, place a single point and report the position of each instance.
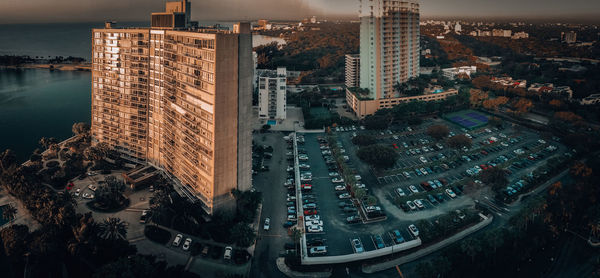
(267, 225)
(314, 223)
(337, 180)
(424, 171)
(357, 177)
(315, 229)
(411, 205)
(413, 189)
(313, 217)
(77, 192)
(340, 188)
(400, 192)
(450, 193)
(423, 159)
(419, 204)
(334, 174)
(87, 195)
(92, 187)
(177, 240)
(541, 141)
(344, 196)
(413, 230)
(187, 243)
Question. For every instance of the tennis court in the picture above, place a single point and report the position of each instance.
(468, 119)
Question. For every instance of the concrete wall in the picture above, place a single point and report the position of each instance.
(361, 256)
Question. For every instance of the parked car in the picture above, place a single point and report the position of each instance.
(344, 196)
(313, 217)
(378, 242)
(337, 180)
(92, 187)
(340, 188)
(228, 253)
(400, 192)
(411, 205)
(177, 240)
(144, 217)
(397, 237)
(315, 229)
(413, 230)
(419, 204)
(267, 224)
(353, 219)
(318, 250)
(357, 246)
(186, 244)
(314, 223)
(450, 193)
(413, 189)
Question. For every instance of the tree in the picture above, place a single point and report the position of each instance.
(495, 177)
(110, 194)
(459, 141)
(371, 200)
(495, 121)
(81, 129)
(112, 229)
(133, 266)
(379, 156)
(376, 122)
(9, 212)
(8, 161)
(242, 234)
(438, 131)
(363, 140)
(523, 105)
(15, 240)
(494, 104)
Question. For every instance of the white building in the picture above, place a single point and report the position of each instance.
(452, 73)
(272, 86)
(352, 70)
(457, 28)
(590, 100)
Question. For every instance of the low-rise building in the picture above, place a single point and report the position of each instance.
(563, 91)
(592, 99)
(520, 35)
(271, 94)
(363, 106)
(541, 88)
(501, 33)
(453, 73)
(509, 82)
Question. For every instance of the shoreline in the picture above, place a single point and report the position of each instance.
(61, 67)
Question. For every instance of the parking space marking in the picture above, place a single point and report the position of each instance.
(399, 272)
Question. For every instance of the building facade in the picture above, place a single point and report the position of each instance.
(453, 73)
(272, 87)
(178, 98)
(364, 107)
(389, 45)
(352, 70)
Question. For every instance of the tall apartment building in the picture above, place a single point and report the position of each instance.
(389, 45)
(569, 37)
(352, 70)
(389, 54)
(178, 98)
(272, 86)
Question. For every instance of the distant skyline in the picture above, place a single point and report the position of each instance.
(36, 11)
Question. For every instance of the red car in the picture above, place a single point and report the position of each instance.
(484, 152)
(306, 186)
(310, 212)
(395, 146)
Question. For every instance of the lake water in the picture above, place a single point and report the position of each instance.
(35, 103)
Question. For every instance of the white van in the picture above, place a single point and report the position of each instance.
(227, 255)
(318, 250)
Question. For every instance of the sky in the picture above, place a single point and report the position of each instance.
(23, 11)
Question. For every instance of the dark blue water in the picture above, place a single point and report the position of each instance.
(35, 103)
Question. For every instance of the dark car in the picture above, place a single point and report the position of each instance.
(288, 224)
(289, 246)
(404, 207)
(316, 242)
(440, 197)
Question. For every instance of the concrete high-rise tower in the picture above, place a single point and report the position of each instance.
(389, 45)
(178, 98)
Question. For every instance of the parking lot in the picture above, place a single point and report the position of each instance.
(337, 233)
(428, 179)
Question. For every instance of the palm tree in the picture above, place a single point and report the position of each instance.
(112, 229)
(9, 212)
